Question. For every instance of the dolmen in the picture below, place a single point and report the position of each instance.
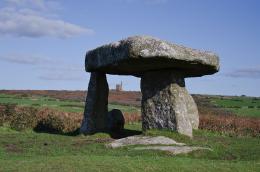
(162, 67)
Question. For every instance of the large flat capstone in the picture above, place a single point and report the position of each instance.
(138, 54)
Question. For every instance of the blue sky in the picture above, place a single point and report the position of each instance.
(43, 42)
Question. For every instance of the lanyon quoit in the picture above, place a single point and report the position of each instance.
(162, 67)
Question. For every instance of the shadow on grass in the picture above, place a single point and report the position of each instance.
(49, 130)
(115, 135)
(124, 133)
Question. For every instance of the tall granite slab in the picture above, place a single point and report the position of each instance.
(96, 108)
(166, 103)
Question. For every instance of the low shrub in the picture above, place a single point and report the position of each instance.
(7, 111)
(39, 119)
(50, 120)
(54, 121)
(2, 115)
(23, 118)
(239, 126)
(131, 118)
(221, 120)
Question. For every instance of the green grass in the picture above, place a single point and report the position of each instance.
(242, 106)
(67, 106)
(30, 151)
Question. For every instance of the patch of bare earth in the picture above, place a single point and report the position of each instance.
(12, 148)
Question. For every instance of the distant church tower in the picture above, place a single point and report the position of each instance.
(119, 87)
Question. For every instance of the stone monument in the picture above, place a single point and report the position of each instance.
(162, 67)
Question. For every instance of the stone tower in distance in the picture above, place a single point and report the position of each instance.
(119, 87)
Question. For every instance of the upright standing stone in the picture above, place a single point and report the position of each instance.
(96, 110)
(166, 103)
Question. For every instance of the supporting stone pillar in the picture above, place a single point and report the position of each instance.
(96, 110)
(166, 104)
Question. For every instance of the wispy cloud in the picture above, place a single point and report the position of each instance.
(42, 63)
(253, 72)
(48, 69)
(64, 67)
(42, 5)
(149, 2)
(156, 1)
(60, 77)
(34, 18)
(25, 59)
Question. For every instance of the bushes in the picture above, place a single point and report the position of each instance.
(18, 118)
(131, 118)
(220, 120)
(239, 126)
(6, 112)
(54, 121)
(43, 119)
(23, 118)
(2, 115)
(46, 119)
(58, 122)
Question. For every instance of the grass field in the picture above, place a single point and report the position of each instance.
(30, 151)
(242, 106)
(64, 105)
(35, 151)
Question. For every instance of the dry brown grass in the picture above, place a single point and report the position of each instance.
(131, 118)
(231, 124)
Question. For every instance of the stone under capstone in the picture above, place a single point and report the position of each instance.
(162, 67)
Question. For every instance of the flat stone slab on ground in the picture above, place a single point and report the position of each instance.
(143, 140)
(175, 150)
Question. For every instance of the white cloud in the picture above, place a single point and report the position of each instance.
(27, 18)
(253, 72)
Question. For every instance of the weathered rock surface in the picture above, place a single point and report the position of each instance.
(139, 54)
(175, 150)
(166, 103)
(96, 110)
(116, 120)
(155, 143)
(143, 140)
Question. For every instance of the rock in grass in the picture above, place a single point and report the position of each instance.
(116, 121)
(143, 140)
(174, 150)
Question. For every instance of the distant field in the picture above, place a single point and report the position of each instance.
(242, 106)
(64, 105)
(125, 101)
